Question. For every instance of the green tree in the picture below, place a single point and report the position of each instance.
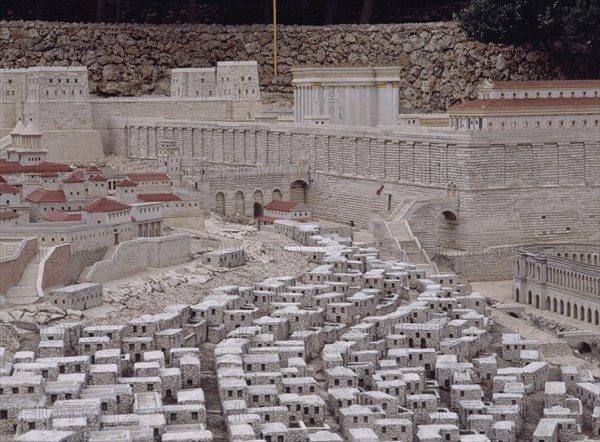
(539, 22)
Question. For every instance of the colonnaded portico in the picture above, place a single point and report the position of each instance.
(564, 279)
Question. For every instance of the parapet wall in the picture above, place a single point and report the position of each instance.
(438, 64)
(137, 255)
(14, 257)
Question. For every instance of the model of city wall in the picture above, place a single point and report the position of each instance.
(439, 65)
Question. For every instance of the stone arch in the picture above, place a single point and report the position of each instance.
(589, 315)
(240, 203)
(537, 301)
(569, 309)
(298, 191)
(517, 293)
(582, 313)
(529, 297)
(548, 303)
(277, 195)
(596, 317)
(561, 307)
(583, 347)
(554, 306)
(575, 311)
(450, 216)
(220, 203)
(452, 190)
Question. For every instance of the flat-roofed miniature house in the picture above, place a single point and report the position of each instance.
(78, 297)
(225, 257)
(284, 210)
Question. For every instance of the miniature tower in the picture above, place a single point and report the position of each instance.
(169, 158)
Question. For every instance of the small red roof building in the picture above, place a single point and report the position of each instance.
(126, 183)
(285, 206)
(105, 205)
(98, 178)
(47, 196)
(141, 177)
(156, 197)
(92, 169)
(7, 188)
(58, 216)
(8, 215)
(75, 177)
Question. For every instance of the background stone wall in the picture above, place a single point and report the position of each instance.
(439, 65)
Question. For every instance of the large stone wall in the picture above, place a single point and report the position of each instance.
(438, 64)
(512, 187)
(15, 254)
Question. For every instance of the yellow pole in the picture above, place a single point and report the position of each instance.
(275, 38)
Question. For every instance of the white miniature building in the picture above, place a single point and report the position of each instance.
(361, 96)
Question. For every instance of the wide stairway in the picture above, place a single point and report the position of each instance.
(107, 255)
(25, 291)
(399, 229)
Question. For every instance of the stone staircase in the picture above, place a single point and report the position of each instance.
(25, 292)
(399, 229)
(107, 255)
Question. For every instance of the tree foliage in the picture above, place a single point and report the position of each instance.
(571, 23)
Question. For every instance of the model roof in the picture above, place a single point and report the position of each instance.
(105, 205)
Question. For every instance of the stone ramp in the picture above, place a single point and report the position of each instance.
(399, 230)
(107, 255)
(25, 292)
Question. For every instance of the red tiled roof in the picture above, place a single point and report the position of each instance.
(268, 219)
(125, 183)
(152, 197)
(2, 180)
(106, 205)
(529, 84)
(75, 177)
(523, 103)
(139, 177)
(98, 178)
(47, 196)
(7, 188)
(92, 169)
(8, 215)
(48, 174)
(58, 216)
(16, 167)
(281, 206)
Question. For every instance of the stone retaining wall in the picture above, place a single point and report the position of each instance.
(16, 254)
(438, 64)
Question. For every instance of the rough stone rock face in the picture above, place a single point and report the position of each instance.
(439, 65)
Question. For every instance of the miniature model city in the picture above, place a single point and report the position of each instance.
(199, 267)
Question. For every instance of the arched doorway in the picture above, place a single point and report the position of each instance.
(239, 203)
(220, 203)
(589, 315)
(562, 307)
(450, 216)
(258, 210)
(537, 301)
(529, 297)
(575, 311)
(583, 347)
(257, 197)
(582, 313)
(517, 295)
(277, 195)
(568, 309)
(554, 306)
(548, 304)
(298, 191)
(596, 318)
